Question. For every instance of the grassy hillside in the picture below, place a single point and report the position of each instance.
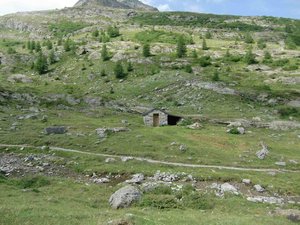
(62, 68)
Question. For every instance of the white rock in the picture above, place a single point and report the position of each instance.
(259, 188)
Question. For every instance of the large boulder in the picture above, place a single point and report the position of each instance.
(124, 197)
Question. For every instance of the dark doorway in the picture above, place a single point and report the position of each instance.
(156, 120)
(173, 120)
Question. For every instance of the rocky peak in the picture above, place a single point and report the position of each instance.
(123, 4)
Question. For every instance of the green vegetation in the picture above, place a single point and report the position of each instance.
(65, 27)
(181, 48)
(146, 50)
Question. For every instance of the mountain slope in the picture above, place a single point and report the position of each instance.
(125, 4)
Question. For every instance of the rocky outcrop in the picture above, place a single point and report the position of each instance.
(123, 4)
(55, 130)
(124, 197)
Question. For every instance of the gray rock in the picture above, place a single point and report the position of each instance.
(136, 179)
(182, 148)
(19, 78)
(262, 154)
(103, 132)
(126, 158)
(101, 180)
(259, 188)
(167, 177)
(224, 188)
(280, 163)
(263, 199)
(55, 130)
(109, 160)
(124, 197)
(241, 130)
(246, 181)
(195, 126)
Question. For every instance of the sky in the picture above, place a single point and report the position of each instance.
(279, 8)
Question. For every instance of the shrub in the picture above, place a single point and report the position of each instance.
(104, 53)
(129, 67)
(119, 71)
(250, 58)
(196, 200)
(216, 76)
(33, 182)
(249, 39)
(288, 111)
(113, 31)
(261, 44)
(160, 202)
(181, 47)
(234, 131)
(41, 65)
(204, 45)
(146, 50)
(205, 61)
(188, 69)
(290, 67)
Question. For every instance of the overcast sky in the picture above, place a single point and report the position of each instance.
(282, 8)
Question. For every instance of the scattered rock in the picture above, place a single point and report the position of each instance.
(259, 188)
(167, 177)
(124, 197)
(126, 158)
(104, 132)
(263, 199)
(224, 188)
(110, 160)
(136, 179)
(262, 154)
(246, 181)
(284, 125)
(19, 78)
(195, 126)
(101, 180)
(55, 130)
(280, 163)
(182, 148)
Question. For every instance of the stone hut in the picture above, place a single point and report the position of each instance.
(157, 117)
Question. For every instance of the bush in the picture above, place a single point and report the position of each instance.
(33, 182)
(181, 48)
(249, 39)
(250, 58)
(113, 31)
(196, 200)
(234, 131)
(290, 67)
(288, 111)
(119, 71)
(160, 202)
(104, 53)
(188, 69)
(205, 61)
(216, 76)
(261, 44)
(280, 62)
(146, 50)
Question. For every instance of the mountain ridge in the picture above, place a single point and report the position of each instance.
(123, 4)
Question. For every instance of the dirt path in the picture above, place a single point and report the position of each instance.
(152, 161)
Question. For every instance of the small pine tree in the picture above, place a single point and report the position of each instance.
(103, 73)
(104, 53)
(38, 47)
(208, 35)
(261, 44)
(67, 45)
(204, 45)
(249, 39)
(119, 71)
(250, 57)
(188, 69)
(40, 64)
(195, 54)
(32, 45)
(216, 76)
(146, 50)
(51, 57)
(113, 31)
(181, 47)
(129, 67)
(95, 33)
(49, 45)
(267, 57)
(29, 45)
